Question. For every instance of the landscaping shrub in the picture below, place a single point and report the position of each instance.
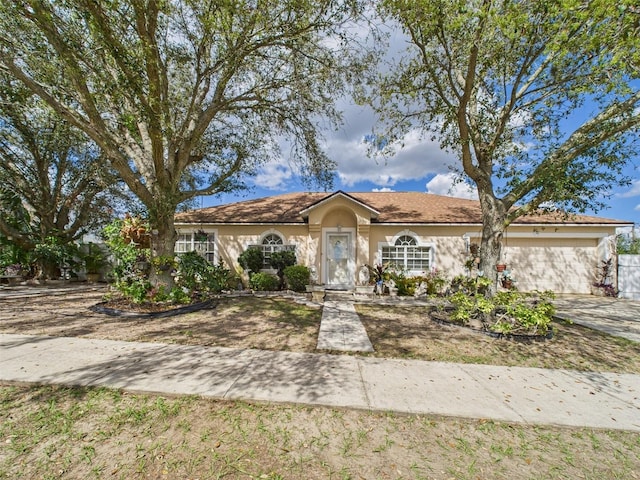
(196, 274)
(251, 260)
(434, 283)
(297, 277)
(221, 278)
(135, 289)
(470, 285)
(263, 282)
(193, 271)
(506, 312)
(280, 261)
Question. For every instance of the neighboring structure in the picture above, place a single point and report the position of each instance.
(336, 234)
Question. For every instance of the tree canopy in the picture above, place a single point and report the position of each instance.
(52, 182)
(185, 98)
(539, 99)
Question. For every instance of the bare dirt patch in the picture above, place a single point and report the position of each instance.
(278, 323)
(409, 332)
(267, 323)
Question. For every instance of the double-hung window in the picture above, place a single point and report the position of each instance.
(203, 244)
(407, 255)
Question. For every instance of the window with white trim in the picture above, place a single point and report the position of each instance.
(204, 245)
(407, 255)
(271, 243)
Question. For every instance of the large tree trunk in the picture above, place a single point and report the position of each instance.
(163, 240)
(494, 225)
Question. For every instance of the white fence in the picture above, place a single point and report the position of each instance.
(629, 276)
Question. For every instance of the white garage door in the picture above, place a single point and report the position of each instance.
(561, 265)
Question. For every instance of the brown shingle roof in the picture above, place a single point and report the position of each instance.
(393, 207)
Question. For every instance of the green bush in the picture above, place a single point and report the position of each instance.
(434, 283)
(221, 278)
(297, 277)
(178, 295)
(280, 261)
(193, 271)
(469, 285)
(506, 312)
(251, 260)
(135, 289)
(263, 282)
(198, 275)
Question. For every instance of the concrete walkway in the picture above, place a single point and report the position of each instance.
(341, 328)
(521, 395)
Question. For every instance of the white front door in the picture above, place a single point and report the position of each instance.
(339, 259)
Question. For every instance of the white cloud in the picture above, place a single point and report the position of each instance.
(273, 176)
(444, 184)
(418, 158)
(383, 189)
(634, 191)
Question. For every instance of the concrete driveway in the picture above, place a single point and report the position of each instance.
(616, 316)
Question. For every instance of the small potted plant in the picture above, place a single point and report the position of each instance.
(94, 260)
(507, 280)
(378, 274)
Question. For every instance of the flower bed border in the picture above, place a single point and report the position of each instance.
(516, 337)
(114, 312)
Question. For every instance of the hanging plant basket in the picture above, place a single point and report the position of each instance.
(135, 231)
(200, 236)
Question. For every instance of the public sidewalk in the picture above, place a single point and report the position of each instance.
(512, 394)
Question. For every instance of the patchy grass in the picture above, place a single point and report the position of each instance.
(409, 332)
(58, 432)
(266, 323)
(277, 323)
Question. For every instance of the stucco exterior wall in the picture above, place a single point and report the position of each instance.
(562, 265)
(563, 258)
(232, 240)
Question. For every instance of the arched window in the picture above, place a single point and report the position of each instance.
(406, 240)
(270, 243)
(407, 254)
(272, 239)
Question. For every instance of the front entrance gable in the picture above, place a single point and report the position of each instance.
(314, 212)
(339, 224)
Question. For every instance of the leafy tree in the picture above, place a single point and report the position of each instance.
(186, 98)
(627, 245)
(498, 82)
(53, 189)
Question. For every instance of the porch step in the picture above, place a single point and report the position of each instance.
(338, 295)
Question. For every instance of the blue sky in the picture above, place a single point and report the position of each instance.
(421, 167)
